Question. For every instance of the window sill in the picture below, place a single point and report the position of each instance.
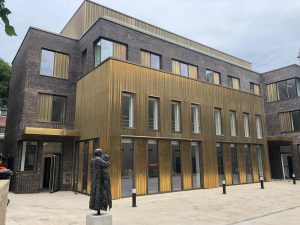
(129, 128)
(59, 78)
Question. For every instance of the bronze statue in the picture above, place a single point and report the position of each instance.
(100, 196)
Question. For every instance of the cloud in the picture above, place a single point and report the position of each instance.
(265, 33)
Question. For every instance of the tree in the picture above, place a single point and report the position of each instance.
(4, 12)
(5, 70)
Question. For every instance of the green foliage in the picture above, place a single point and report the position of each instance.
(5, 70)
(4, 12)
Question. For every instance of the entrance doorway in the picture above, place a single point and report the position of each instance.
(50, 168)
(287, 165)
(51, 175)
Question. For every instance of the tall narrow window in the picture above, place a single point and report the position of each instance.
(150, 60)
(104, 49)
(296, 120)
(84, 62)
(175, 110)
(258, 127)
(51, 108)
(246, 125)
(127, 110)
(54, 64)
(232, 115)
(254, 89)
(29, 152)
(272, 92)
(218, 121)
(213, 77)
(195, 119)
(176, 166)
(153, 113)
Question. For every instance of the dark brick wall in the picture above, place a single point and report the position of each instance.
(272, 110)
(137, 40)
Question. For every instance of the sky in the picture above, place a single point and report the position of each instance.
(263, 32)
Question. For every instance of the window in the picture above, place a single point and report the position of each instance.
(283, 90)
(104, 49)
(153, 113)
(272, 92)
(258, 127)
(54, 64)
(51, 108)
(213, 77)
(150, 60)
(127, 110)
(246, 125)
(296, 120)
(184, 69)
(248, 164)
(254, 89)
(233, 82)
(28, 158)
(232, 115)
(84, 62)
(195, 119)
(3, 112)
(218, 121)
(175, 110)
(290, 121)
(2, 130)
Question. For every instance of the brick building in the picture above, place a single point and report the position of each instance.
(172, 113)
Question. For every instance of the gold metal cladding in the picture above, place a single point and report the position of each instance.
(51, 132)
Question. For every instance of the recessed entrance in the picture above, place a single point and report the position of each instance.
(287, 165)
(50, 174)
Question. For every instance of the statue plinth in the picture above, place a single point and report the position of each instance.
(103, 219)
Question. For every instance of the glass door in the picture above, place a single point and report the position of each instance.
(153, 167)
(220, 163)
(176, 166)
(196, 165)
(259, 161)
(54, 174)
(234, 165)
(127, 172)
(248, 164)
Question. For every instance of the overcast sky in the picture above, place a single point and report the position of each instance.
(264, 32)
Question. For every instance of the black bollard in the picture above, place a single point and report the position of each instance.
(262, 183)
(224, 187)
(294, 179)
(134, 197)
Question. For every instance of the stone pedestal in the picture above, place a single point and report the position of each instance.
(103, 219)
(4, 186)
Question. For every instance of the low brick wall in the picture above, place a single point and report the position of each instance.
(4, 186)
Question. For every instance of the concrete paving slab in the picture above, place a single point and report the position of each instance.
(278, 203)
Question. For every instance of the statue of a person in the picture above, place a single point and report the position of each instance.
(100, 196)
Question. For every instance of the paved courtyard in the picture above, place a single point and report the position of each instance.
(278, 204)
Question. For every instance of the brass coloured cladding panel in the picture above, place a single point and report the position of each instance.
(98, 114)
